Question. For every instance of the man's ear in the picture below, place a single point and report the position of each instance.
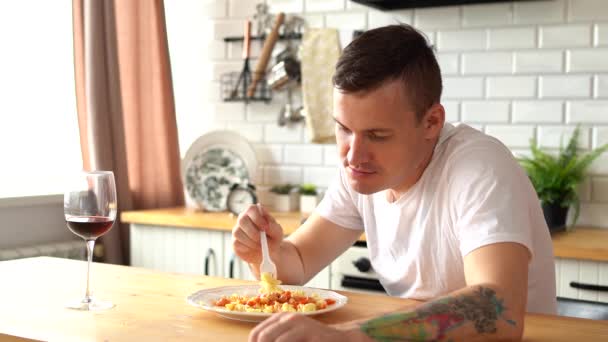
(433, 121)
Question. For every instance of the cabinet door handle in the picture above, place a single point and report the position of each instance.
(231, 266)
(591, 287)
(210, 253)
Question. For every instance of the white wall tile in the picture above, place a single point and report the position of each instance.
(287, 6)
(462, 87)
(437, 17)
(243, 9)
(225, 111)
(266, 112)
(587, 112)
(252, 132)
(579, 10)
(330, 155)
(593, 214)
(461, 40)
(600, 83)
(487, 14)
(537, 12)
(282, 174)
(601, 34)
(600, 189)
(600, 136)
(512, 136)
(588, 60)
(539, 61)
(269, 154)
(448, 63)
(452, 110)
(314, 20)
(227, 28)
(511, 87)
(235, 50)
(217, 69)
(213, 8)
(565, 36)
(565, 86)
(475, 63)
(556, 136)
(303, 154)
(600, 166)
(347, 21)
(323, 5)
(485, 111)
(537, 111)
(320, 176)
(512, 38)
(378, 18)
(285, 134)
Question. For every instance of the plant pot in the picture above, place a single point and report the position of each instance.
(555, 216)
(285, 203)
(308, 203)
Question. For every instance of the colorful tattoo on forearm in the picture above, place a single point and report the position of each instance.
(432, 321)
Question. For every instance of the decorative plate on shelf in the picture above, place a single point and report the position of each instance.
(213, 163)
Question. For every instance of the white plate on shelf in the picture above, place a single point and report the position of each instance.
(213, 163)
(204, 299)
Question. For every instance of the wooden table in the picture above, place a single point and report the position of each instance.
(151, 306)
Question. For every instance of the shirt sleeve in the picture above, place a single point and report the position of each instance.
(338, 204)
(493, 199)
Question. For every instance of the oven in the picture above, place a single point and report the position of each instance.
(353, 271)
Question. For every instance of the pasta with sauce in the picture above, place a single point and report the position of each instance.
(273, 299)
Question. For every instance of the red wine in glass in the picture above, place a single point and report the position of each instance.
(89, 207)
(89, 227)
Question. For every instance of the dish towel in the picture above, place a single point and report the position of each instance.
(319, 52)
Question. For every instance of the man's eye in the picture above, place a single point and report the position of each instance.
(377, 137)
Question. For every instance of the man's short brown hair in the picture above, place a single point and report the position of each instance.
(386, 54)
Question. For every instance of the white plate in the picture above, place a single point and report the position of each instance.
(204, 299)
(213, 163)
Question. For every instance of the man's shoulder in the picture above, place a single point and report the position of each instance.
(468, 147)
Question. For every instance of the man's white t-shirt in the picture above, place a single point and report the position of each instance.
(473, 193)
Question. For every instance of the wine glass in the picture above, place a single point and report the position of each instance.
(89, 206)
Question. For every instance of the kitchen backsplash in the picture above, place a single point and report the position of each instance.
(532, 69)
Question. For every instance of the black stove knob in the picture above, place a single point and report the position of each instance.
(363, 264)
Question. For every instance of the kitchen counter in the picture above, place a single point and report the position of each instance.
(582, 243)
(150, 305)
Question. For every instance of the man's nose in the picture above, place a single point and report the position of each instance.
(357, 152)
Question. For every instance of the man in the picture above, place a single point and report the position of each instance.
(450, 217)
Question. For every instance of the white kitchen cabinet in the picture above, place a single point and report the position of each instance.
(176, 249)
(240, 269)
(583, 272)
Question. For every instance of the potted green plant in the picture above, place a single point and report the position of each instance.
(556, 178)
(308, 198)
(284, 197)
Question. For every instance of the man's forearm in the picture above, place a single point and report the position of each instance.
(289, 264)
(477, 313)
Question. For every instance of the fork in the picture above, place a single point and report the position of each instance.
(267, 266)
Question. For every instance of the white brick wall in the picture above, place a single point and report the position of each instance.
(521, 70)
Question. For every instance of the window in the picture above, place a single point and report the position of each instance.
(39, 139)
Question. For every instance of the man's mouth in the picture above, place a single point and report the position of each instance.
(360, 171)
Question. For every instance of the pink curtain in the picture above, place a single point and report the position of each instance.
(126, 110)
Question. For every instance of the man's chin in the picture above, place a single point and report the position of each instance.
(364, 189)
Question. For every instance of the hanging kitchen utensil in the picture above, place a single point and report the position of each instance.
(269, 43)
(288, 114)
(245, 76)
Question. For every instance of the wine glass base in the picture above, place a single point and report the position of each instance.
(90, 305)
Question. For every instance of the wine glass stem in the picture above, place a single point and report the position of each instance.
(90, 246)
